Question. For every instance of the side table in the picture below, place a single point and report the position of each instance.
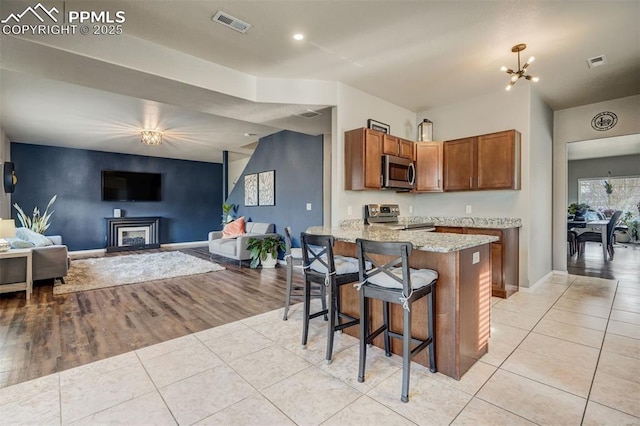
(26, 285)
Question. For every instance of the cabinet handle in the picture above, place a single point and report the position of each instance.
(470, 181)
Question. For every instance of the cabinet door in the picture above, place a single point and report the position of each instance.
(406, 149)
(459, 161)
(499, 161)
(390, 145)
(497, 282)
(373, 159)
(428, 157)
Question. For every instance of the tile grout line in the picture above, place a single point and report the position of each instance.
(155, 387)
(499, 367)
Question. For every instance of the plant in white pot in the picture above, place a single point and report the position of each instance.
(265, 251)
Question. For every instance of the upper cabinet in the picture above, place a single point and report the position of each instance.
(394, 145)
(483, 162)
(363, 154)
(429, 168)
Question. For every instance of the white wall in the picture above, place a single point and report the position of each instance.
(572, 125)
(353, 109)
(235, 171)
(5, 199)
(541, 189)
(487, 114)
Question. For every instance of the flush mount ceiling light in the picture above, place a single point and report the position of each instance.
(522, 72)
(151, 137)
(298, 36)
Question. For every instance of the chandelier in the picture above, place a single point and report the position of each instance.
(151, 137)
(522, 72)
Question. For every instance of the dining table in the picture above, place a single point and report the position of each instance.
(596, 225)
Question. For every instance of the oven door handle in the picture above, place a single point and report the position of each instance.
(411, 174)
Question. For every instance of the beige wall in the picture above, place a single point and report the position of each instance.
(572, 125)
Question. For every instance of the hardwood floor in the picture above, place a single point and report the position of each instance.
(53, 333)
(625, 265)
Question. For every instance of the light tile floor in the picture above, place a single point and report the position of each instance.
(567, 352)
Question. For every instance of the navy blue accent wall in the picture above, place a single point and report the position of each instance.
(297, 160)
(191, 193)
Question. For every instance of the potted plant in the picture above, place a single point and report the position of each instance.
(227, 213)
(577, 210)
(265, 251)
(39, 222)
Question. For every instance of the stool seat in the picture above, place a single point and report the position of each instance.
(419, 278)
(296, 253)
(343, 265)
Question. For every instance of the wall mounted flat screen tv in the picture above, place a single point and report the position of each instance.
(131, 186)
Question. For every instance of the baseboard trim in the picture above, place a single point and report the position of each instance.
(79, 254)
(537, 283)
(189, 244)
(556, 272)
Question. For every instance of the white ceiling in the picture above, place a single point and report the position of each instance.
(416, 54)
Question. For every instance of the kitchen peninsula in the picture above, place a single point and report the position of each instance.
(463, 291)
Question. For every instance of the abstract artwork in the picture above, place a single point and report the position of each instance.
(251, 190)
(267, 188)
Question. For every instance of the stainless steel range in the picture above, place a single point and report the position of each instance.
(387, 215)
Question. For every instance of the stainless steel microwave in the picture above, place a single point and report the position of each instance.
(397, 172)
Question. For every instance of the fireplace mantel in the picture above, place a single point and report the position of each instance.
(117, 227)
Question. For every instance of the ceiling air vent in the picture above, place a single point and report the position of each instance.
(308, 114)
(597, 61)
(231, 22)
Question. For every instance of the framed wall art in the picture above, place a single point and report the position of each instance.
(380, 127)
(251, 190)
(267, 188)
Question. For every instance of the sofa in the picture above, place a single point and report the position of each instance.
(236, 248)
(47, 262)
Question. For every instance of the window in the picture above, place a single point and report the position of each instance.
(625, 194)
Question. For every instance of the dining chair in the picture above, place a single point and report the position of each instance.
(596, 237)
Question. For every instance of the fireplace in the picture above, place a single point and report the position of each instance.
(132, 233)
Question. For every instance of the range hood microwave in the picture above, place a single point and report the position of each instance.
(398, 173)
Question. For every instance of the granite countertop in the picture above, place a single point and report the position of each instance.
(422, 240)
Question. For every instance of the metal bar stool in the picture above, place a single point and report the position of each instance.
(331, 272)
(394, 282)
(292, 256)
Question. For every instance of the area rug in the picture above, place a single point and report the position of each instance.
(101, 272)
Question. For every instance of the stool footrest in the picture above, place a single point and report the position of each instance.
(375, 334)
(346, 325)
(400, 336)
(317, 314)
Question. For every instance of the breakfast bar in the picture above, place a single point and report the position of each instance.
(462, 297)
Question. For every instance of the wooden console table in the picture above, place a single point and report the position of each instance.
(26, 285)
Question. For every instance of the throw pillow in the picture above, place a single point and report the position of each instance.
(17, 243)
(234, 229)
(38, 240)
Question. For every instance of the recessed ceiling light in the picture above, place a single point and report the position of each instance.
(250, 134)
(298, 36)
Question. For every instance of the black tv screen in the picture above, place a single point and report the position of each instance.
(131, 186)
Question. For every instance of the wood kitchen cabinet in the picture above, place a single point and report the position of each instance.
(428, 158)
(399, 147)
(505, 271)
(363, 159)
(483, 162)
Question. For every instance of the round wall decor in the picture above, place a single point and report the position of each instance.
(9, 177)
(605, 120)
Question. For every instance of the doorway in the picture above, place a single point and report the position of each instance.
(604, 174)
